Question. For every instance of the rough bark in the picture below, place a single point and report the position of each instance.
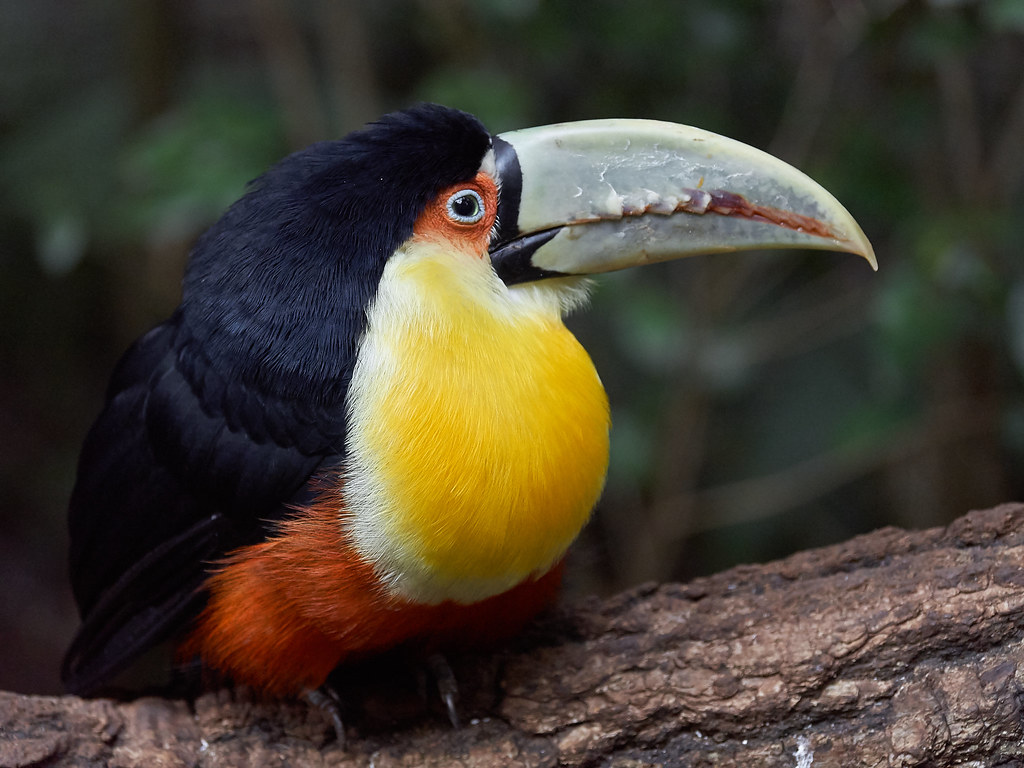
(895, 648)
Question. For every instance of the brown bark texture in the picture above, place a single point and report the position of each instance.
(892, 649)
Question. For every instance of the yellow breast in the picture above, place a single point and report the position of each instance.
(478, 436)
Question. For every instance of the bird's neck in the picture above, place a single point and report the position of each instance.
(478, 430)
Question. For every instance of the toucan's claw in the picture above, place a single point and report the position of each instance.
(327, 701)
(447, 686)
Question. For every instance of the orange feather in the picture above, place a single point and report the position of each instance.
(284, 613)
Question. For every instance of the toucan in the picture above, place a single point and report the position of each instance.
(366, 426)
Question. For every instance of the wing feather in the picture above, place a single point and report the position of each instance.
(167, 484)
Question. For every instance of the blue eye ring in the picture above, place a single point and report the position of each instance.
(465, 206)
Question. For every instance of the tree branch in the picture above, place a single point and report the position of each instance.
(895, 648)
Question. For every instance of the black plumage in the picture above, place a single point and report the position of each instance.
(217, 420)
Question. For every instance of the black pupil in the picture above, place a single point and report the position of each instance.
(465, 206)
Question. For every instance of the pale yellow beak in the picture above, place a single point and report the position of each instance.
(601, 195)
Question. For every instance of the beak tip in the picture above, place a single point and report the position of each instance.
(861, 246)
(863, 249)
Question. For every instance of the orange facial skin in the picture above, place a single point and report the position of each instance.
(436, 222)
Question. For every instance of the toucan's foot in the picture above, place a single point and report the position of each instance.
(447, 687)
(326, 700)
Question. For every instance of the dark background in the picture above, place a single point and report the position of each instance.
(763, 403)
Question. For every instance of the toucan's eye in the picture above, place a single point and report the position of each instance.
(465, 206)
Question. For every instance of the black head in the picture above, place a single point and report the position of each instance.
(276, 290)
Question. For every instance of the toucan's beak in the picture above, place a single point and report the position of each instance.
(599, 195)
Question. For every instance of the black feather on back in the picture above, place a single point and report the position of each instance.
(217, 419)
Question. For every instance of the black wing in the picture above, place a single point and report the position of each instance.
(180, 467)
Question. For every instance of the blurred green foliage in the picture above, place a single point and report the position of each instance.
(763, 403)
